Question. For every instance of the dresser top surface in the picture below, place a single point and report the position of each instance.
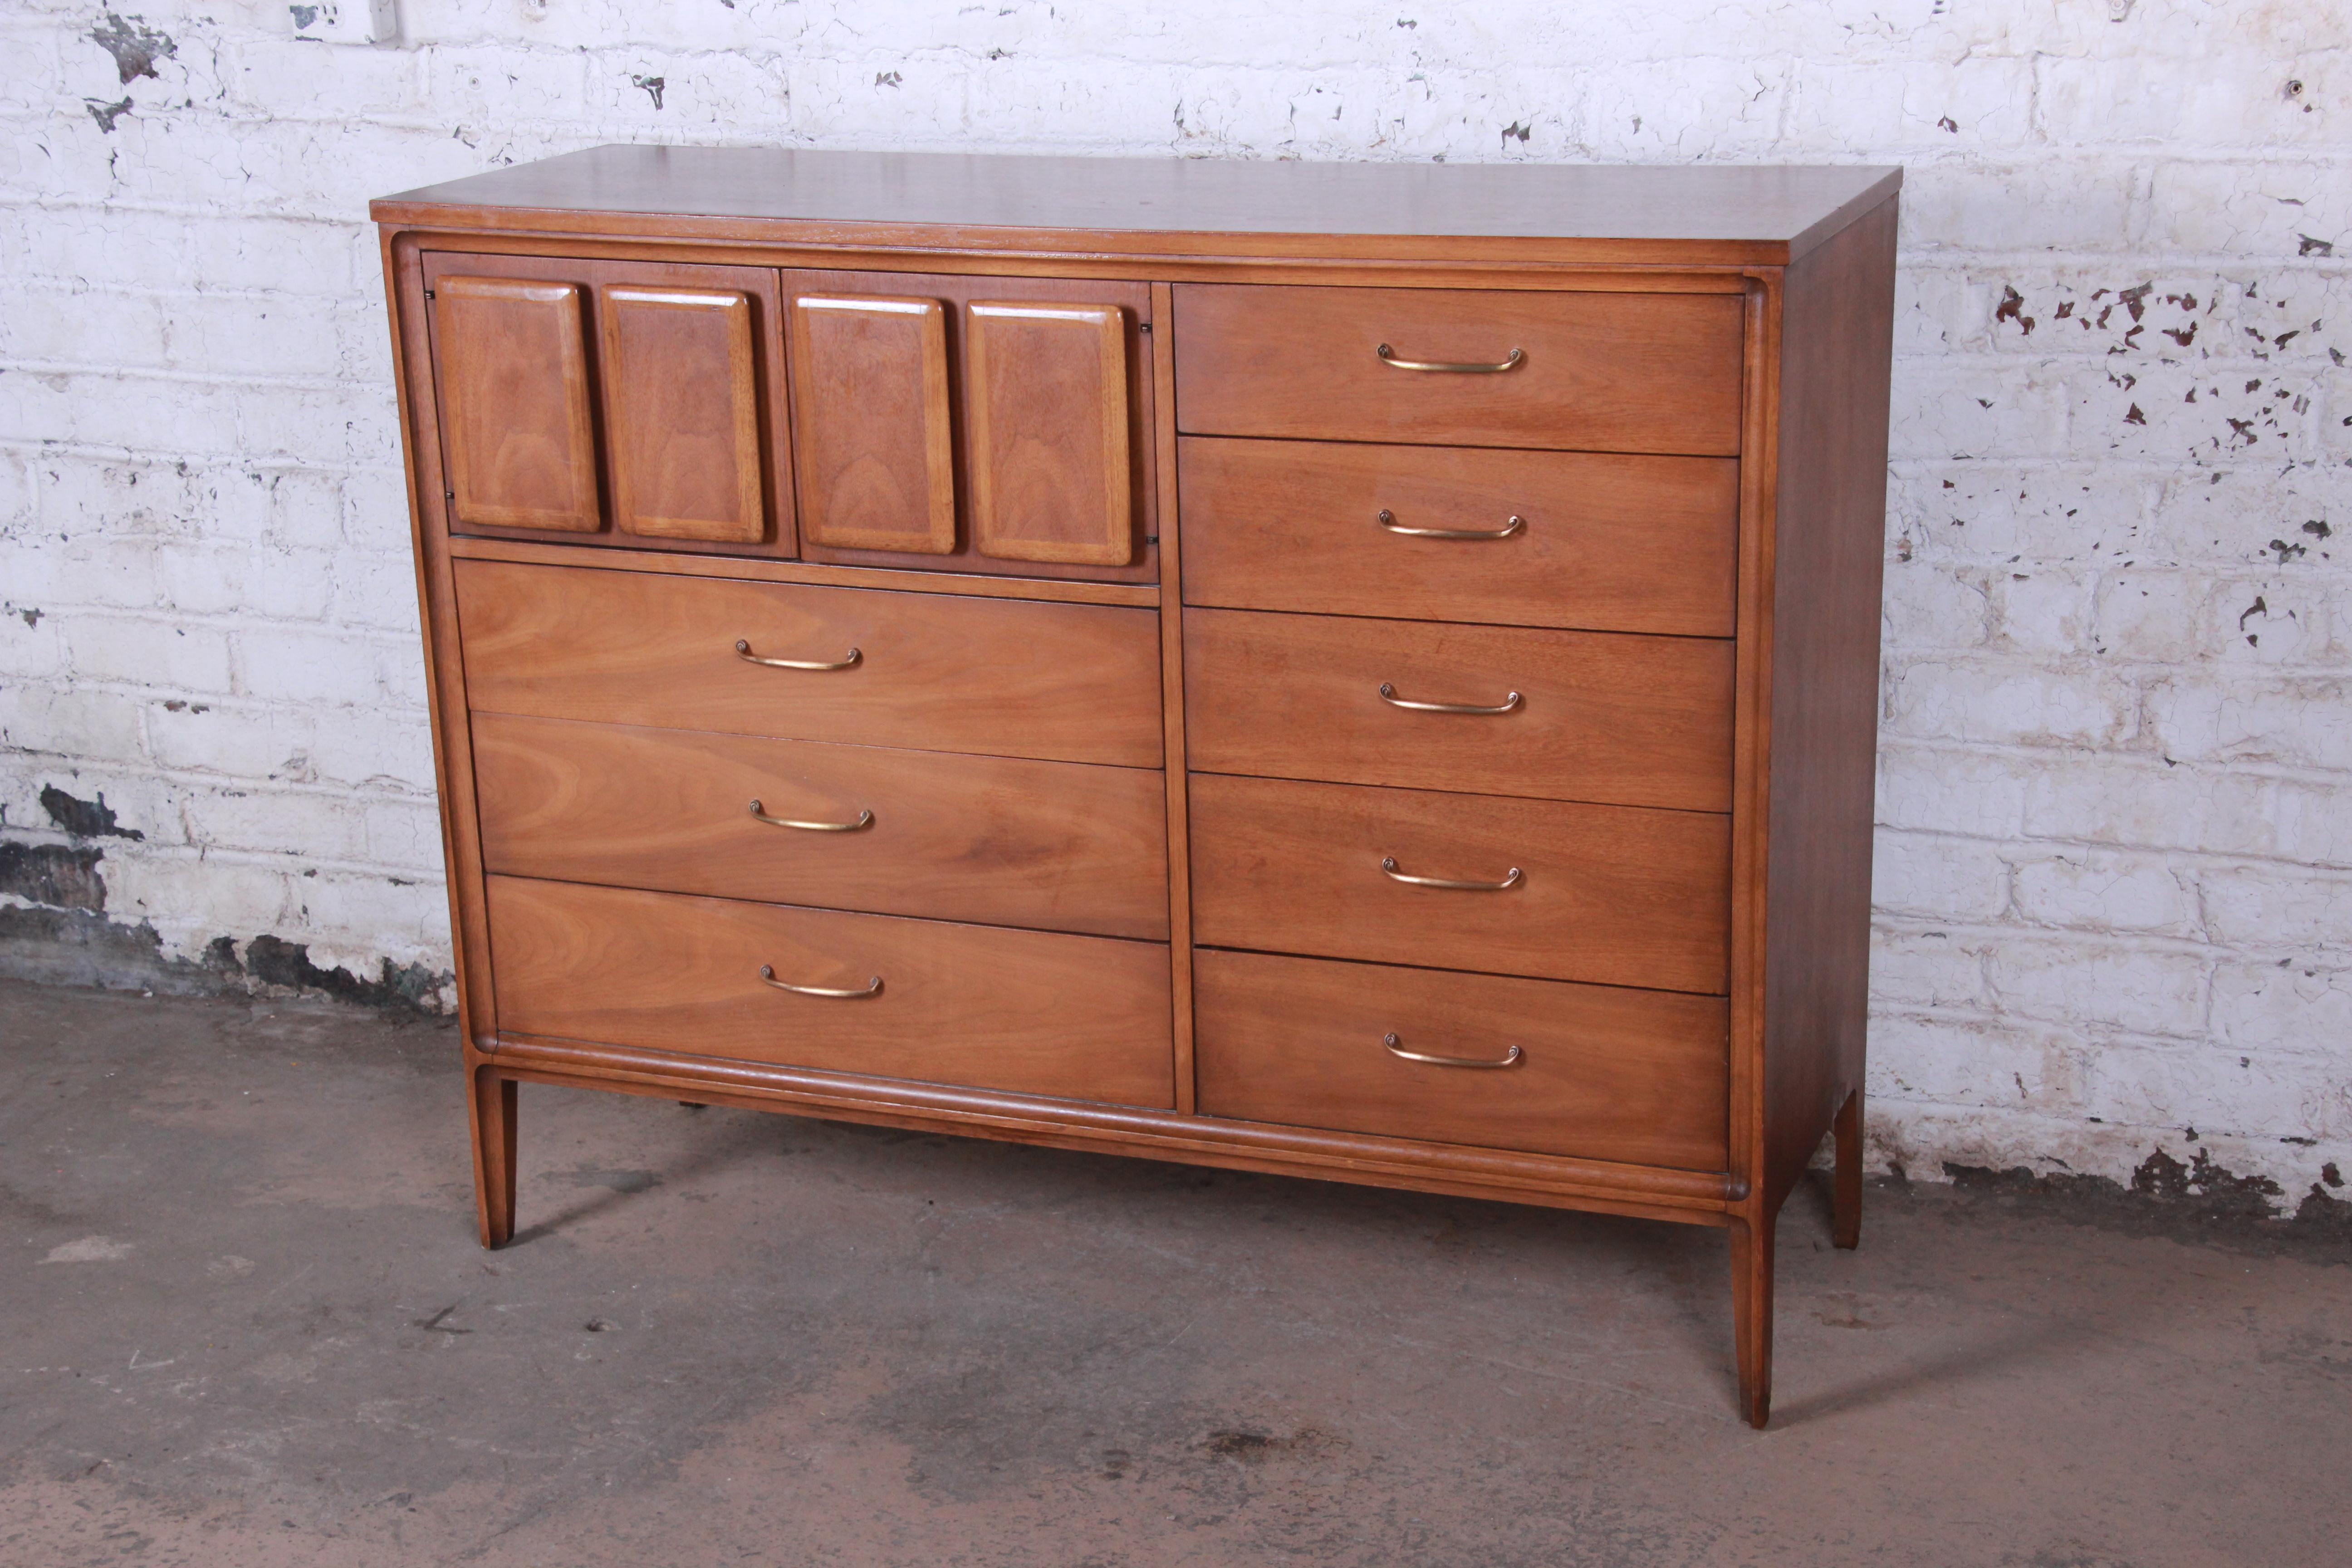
(1705, 214)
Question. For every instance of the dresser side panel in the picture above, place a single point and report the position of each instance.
(1829, 553)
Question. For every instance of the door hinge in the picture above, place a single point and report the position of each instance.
(428, 293)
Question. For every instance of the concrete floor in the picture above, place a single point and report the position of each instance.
(244, 1322)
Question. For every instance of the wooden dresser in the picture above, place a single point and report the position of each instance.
(1362, 671)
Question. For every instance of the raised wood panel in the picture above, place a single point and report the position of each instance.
(871, 424)
(1601, 1072)
(1597, 371)
(1046, 404)
(1613, 895)
(1050, 846)
(1076, 1017)
(1041, 422)
(1638, 721)
(682, 409)
(515, 424)
(934, 671)
(1599, 541)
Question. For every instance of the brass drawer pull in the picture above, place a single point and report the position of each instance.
(1388, 520)
(768, 977)
(1388, 696)
(1396, 1048)
(1387, 868)
(743, 651)
(760, 814)
(1388, 357)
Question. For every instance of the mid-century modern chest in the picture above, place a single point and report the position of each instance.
(1347, 670)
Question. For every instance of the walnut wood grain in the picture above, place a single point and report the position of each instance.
(1828, 555)
(1171, 677)
(1074, 683)
(1074, 1017)
(1689, 342)
(1750, 1215)
(1609, 1074)
(898, 579)
(1613, 895)
(491, 1114)
(409, 314)
(516, 426)
(1637, 720)
(870, 421)
(1604, 543)
(699, 402)
(1049, 400)
(682, 407)
(1015, 209)
(1612, 373)
(1046, 403)
(1654, 1192)
(1001, 841)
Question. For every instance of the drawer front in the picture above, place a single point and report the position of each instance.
(1597, 371)
(1634, 721)
(1593, 1070)
(1589, 540)
(1076, 1017)
(1613, 895)
(1000, 840)
(934, 672)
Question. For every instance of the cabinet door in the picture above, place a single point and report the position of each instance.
(682, 413)
(874, 447)
(519, 438)
(1045, 407)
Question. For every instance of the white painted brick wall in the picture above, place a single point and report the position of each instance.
(2114, 877)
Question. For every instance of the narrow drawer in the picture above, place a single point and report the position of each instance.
(1596, 371)
(1633, 720)
(1000, 840)
(1076, 1017)
(933, 671)
(1589, 1070)
(1587, 540)
(1609, 894)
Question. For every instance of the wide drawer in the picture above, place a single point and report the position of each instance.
(1595, 716)
(1588, 1071)
(932, 672)
(1614, 895)
(1597, 372)
(1078, 1017)
(1598, 541)
(1000, 840)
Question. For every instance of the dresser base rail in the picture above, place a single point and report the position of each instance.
(1690, 1197)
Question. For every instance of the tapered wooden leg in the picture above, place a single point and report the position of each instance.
(493, 1114)
(1751, 1313)
(1845, 1225)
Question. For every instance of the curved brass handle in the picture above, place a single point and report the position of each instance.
(743, 651)
(768, 977)
(1396, 1048)
(1388, 357)
(1387, 868)
(1388, 696)
(760, 814)
(1387, 520)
